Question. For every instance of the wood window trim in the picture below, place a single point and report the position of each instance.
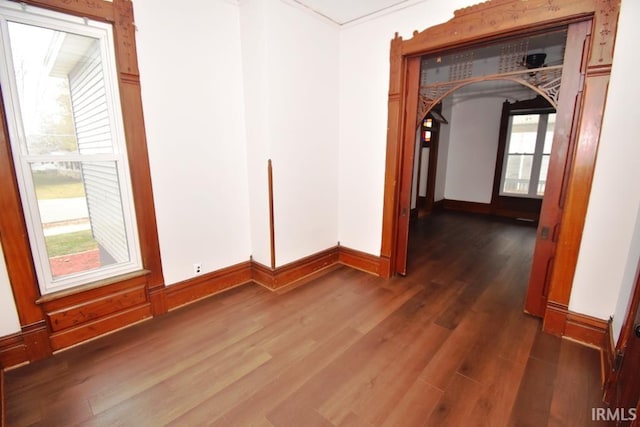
(516, 207)
(13, 232)
(485, 23)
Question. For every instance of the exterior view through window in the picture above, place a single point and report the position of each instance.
(60, 93)
(526, 161)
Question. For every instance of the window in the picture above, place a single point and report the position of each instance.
(65, 125)
(526, 159)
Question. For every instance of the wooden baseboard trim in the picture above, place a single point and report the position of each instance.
(359, 260)
(75, 318)
(464, 206)
(588, 330)
(206, 285)
(293, 272)
(13, 351)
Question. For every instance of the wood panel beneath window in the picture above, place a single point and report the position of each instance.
(74, 317)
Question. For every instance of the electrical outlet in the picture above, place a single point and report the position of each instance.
(197, 268)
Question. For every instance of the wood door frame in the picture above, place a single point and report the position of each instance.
(626, 333)
(484, 23)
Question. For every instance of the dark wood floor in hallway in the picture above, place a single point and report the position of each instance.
(448, 345)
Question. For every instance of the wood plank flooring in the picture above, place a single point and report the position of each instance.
(448, 345)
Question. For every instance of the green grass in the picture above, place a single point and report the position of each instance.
(70, 243)
(53, 185)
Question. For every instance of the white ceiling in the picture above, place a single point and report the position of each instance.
(345, 11)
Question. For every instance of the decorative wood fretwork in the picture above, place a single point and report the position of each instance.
(462, 66)
(511, 55)
(545, 81)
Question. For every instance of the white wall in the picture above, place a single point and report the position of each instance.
(443, 150)
(473, 144)
(304, 129)
(609, 250)
(191, 76)
(9, 323)
(364, 87)
(296, 82)
(256, 76)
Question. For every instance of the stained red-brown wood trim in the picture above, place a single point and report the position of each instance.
(13, 235)
(13, 230)
(486, 23)
(272, 226)
(359, 260)
(293, 272)
(391, 180)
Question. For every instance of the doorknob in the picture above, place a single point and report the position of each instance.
(637, 329)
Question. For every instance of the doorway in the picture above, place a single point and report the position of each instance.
(490, 25)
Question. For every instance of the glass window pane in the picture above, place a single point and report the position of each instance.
(61, 91)
(544, 169)
(524, 129)
(81, 215)
(518, 174)
(548, 139)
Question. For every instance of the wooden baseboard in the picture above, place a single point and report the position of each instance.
(469, 207)
(359, 260)
(293, 272)
(73, 318)
(13, 350)
(206, 285)
(588, 330)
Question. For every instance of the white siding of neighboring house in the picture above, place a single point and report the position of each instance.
(93, 131)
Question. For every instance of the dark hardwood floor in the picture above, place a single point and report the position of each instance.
(448, 345)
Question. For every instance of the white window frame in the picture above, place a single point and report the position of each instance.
(537, 156)
(31, 15)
